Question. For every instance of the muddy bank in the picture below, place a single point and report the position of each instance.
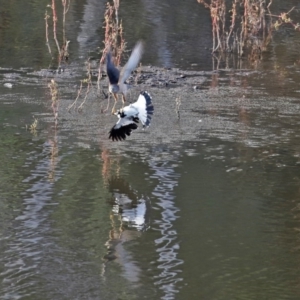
(189, 105)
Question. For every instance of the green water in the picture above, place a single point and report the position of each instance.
(201, 207)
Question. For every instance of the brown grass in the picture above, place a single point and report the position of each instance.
(113, 36)
(62, 50)
(88, 82)
(248, 29)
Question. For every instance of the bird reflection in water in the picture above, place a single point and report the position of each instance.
(129, 218)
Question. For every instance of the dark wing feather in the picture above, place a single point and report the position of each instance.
(119, 134)
(112, 72)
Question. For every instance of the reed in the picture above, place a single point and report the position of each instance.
(113, 37)
(89, 84)
(241, 26)
(62, 48)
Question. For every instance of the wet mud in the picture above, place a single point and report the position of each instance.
(189, 105)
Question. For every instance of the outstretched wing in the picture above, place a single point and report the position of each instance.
(123, 128)
(112, 72)
(132, 63)
(144, 107)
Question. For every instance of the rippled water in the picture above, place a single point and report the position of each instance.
(201, 207)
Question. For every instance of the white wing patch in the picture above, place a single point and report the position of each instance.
(140, 105)
(144, 107)
(122, 122)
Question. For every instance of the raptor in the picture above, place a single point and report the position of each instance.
(117, 79)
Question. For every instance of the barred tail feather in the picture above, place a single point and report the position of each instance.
(145, 108)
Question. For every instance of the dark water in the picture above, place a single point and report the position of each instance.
(205, 207)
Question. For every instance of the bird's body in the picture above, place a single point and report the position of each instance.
(129, 117)
(117, 79)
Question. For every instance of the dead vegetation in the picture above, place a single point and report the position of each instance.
(244, 27)
(113, 41)
(62, 47)
(241, 27)
(113, 37)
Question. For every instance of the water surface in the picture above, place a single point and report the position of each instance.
(201, 207)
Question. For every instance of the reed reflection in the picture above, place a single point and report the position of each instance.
(167, 245)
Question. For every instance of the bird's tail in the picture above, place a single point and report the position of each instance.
(149, 108)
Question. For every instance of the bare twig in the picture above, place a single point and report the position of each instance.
(66, 6)
(47, 32)
(54, 25)
(113, 37)
(78, 94)
(248, 28)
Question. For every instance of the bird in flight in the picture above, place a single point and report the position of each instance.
(116, 78)
(129, 116)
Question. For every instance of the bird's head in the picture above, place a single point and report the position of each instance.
(120, 113)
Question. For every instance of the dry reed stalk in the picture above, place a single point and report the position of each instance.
(66, 6)
(232, 23)
(113, 37)
(88, 81)
(85, 97)
(63, 53)
(78, 94)
(247, 29)
(47, 31)
(54, 25)
(108, 15)
(217, 10)
(116, 5)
